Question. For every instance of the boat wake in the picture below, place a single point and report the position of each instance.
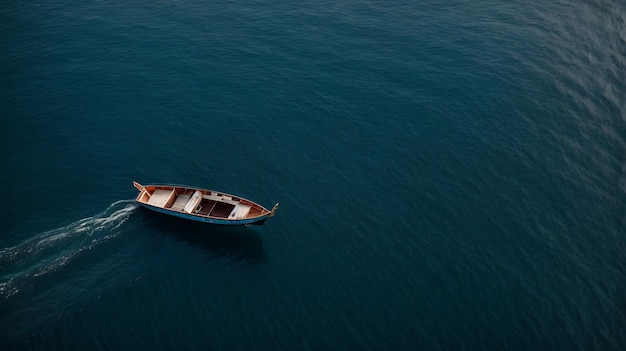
(48, 251)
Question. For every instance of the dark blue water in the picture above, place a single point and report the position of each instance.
(452, 174)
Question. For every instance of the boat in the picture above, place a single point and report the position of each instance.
(202, 205)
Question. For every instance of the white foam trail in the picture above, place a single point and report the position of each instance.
(46, 252)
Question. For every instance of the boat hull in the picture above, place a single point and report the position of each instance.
(201, 205)
(218, 221)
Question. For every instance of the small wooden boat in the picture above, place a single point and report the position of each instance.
(202, 205)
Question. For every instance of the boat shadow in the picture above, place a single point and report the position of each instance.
(240, 243)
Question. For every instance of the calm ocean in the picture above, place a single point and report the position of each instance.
(452, 174)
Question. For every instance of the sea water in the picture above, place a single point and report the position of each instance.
(451, 174)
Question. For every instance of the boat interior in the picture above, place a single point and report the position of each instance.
(200, 202)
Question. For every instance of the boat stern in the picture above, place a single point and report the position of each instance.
(137, 186)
